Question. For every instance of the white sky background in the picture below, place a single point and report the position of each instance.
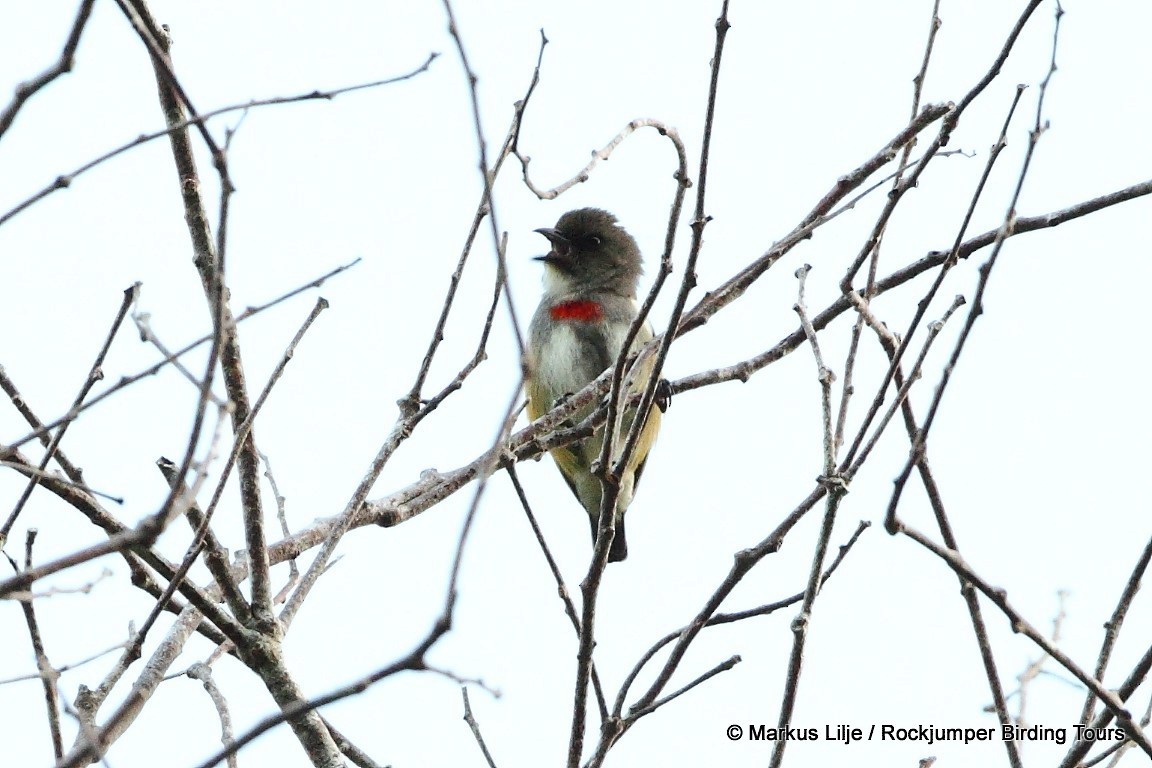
(1040, 448)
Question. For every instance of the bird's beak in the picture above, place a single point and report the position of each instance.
(560, 245)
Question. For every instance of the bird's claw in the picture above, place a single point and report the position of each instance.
(663, 395)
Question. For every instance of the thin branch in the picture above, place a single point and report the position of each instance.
(483, 164)
(95, 374)
(40, 432)
(203, 673)
(977, 307)
(935, 498)
(613, 466)
(410, 404)
(48, 674)
(143, 321)
(598, 155)
(561, 587)
(217, 558)
(92, 741)
(204, 538)
(63, 65)
(354, 753)
(925, 302)
(743, 562)
(728, 618)
(744, 370)
(208, 258)
(723, 295)
(900, 401)
(1035, 667)
(155, 39)
(475, 728)
(846, 390)
(125, 714)
(60, 670)
(1125, 690)
(837, 488)
(64, 181)
(1115, 622)
(281, 517)
(723, 666)
(999, 597)
(415, 659)
(22, 466)
(412, 662)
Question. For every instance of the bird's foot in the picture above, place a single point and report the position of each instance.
(663, 395)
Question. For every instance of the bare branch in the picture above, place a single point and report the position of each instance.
(63, 65)
(475, 727)
(95, 374)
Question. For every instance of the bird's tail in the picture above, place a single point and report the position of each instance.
(619, 550)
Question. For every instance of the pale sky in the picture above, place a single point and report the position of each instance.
(1039, 448)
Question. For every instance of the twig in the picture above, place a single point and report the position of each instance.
(743, 562)
(561, 588)
(143, 321)
(91, 742)
(43, 434)
(39, 432)
(1111, 700)
(744, 370)
(95, 374)
(63, 65)
(723, 666)
(203, 673)
(846, 389)
(1115, 622)
(475, 727)
(64, 181)
(925, 302)
(415, 659)
(728, 618)
(598, 155)
(734, 287)
(23, 467)
(217, 560)
(48, 674)
(903, 386)
(354, 753)
(837, 488)
(977, 307)
(483, 164)
(60, 670)
(890, 345)
(281, 511)
(1036, 666)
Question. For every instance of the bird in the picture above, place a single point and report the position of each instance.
(590, 278)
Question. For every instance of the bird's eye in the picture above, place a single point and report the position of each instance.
(595, 241)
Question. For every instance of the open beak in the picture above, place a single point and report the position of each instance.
(560, 246)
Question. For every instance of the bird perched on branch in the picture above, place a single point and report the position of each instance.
(589, 303)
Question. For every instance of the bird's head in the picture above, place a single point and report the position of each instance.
(590, 253)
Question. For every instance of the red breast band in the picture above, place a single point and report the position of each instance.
(578, 311)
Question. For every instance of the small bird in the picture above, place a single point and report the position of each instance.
(589, 303)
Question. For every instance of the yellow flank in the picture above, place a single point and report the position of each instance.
(575, 459)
